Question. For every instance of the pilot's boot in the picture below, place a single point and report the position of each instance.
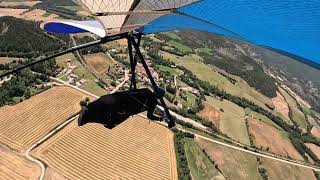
(83, 116)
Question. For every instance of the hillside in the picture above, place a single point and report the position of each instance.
(261, 68)
(25, 39)
(239, 100)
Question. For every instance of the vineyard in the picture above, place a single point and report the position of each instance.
(25, 123)
(136, 149)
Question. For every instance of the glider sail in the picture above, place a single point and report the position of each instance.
(290, 26)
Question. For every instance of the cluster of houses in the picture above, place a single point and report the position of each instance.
(5, 79)
(72, 78)
(142, 75)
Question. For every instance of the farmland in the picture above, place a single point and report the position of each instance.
(231, 120)
(281, 105)
(211, 113)
(136, 149)
(262, 118)
(200, 165)
(99, 62)
(19, 3)
(207, 73)
(23, 124)
(53, 175)
(12, 12)
(180, 47)
(14, 166)
(316, 132)
(5, 60)
(233, 164)
(296, 115)
(265, 136)
(279, 170)
(315, 149)
(82, 73)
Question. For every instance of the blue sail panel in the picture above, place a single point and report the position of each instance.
(292, 26)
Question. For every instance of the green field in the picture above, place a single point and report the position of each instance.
(172, 35)
(190, 102)
(232, 120)
(204, 50)
(94, 88)
(261, 118)
(168, 69)
(72, 8)
(200, 165)
(82, 73)
(179, 46)
(233, 164)
(47, 14)
(206, 73)
(297, 115)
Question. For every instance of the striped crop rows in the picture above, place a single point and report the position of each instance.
(136, 149)
(25, 123)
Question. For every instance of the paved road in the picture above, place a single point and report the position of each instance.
(126, 78)
(191, 121)
(75, 87)
(196, 124)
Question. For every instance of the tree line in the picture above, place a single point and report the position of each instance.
(182, 162)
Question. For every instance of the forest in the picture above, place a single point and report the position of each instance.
(22, 84)
(24, 39)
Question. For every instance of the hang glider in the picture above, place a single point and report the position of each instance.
(291, 26)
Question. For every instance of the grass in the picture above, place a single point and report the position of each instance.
(190, 102)
(47, 14)
(180, 47)
(204, 50)
(72, 8)
(297, 115)
(173, 35)
(200, 165)
(280, 170)
(206, 73)
(233, 164)
(94, 88)
(232, 119)
(261, 117)
(153, 38)
(82, 73)
(167, 69)
(99, 62)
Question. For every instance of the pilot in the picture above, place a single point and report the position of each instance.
(113, 109)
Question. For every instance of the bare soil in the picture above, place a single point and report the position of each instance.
(266, 136)
(99, 62)
(15, 166)
(281, 105)
(51, 174)
(315, 132)
(22, 3)
(11, 12)
(5, 60)
(211, 114)
(315, 149)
